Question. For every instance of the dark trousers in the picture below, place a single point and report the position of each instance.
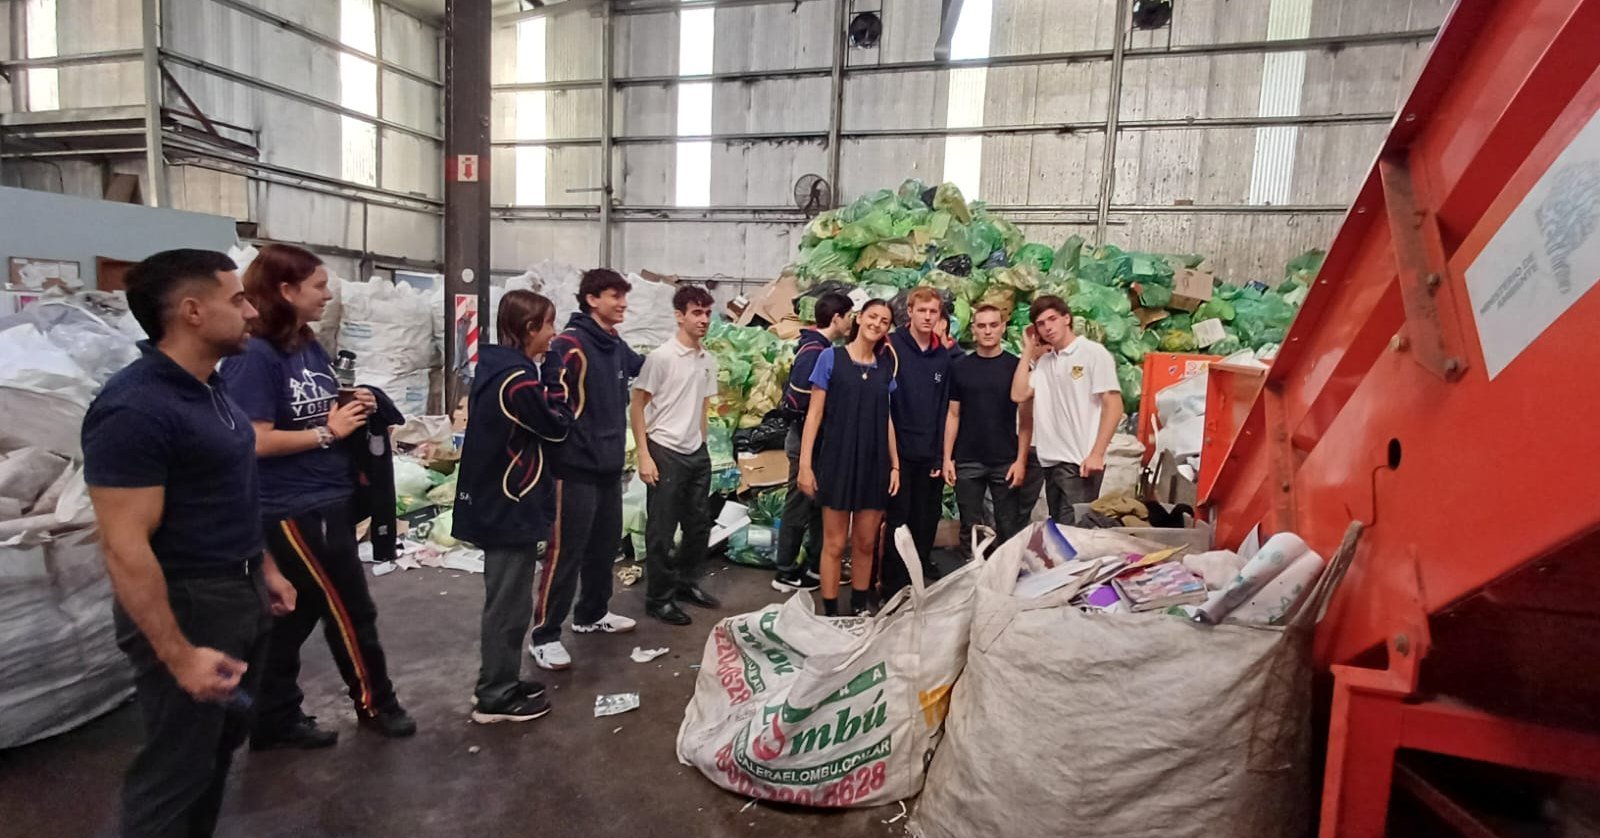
(975, 482)
(802, 517)
(588, 531)
(507, 609)
(681, 497)
(1063, 487)
(916, 506)
(317, 553)
(175, 785)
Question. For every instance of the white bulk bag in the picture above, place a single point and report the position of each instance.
(830, 712)
(1066, 723)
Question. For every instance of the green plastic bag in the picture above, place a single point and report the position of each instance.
(1304, 267)
(1040, 257)
(824, 226)
(900, 278)
(874, 226)
(1069, 255)
(1152, 295)
(948, 198)
(1217, 308)
(909, 221)
(889, 253)
(861, 207)
(910, 193)
(828, 260)
(1131, 378)
(719, 444)
(805, 308)
(985, 239)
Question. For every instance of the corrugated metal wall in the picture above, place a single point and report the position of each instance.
(1171, 185)
(285, 101)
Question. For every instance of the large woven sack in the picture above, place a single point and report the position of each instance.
(830, 712)
(1117, 725)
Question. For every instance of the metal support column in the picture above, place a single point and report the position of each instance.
(608, 58)
(841, 14)
(155, 162)
(468, 25)
(1108, 161)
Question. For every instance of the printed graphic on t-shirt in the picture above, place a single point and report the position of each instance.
(311, 398)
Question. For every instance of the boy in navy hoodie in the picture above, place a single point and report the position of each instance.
(802, 515)
(590, 366)
(921, 400)
(505, 497)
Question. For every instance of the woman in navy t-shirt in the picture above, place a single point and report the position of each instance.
(286, 385)
(855, 468)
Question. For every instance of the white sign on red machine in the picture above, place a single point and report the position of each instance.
(1543, 258)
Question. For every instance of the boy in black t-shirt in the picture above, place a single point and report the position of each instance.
(986, 438)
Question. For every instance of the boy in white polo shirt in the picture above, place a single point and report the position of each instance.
(1077, 404)
(669, 431)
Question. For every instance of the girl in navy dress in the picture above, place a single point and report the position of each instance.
(848, 460)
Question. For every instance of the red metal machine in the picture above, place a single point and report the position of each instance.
(1442, 386)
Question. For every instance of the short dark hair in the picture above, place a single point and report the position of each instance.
(831, 305)
(597, 281)
(1047, 302)
(691, 295)
(151, 284)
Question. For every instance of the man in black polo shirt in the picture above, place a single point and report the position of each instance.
(987, 436)
(171, 467)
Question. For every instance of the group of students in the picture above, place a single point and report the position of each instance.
(225, 469)
(881, 423)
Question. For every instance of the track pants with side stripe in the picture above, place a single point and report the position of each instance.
(316, 552)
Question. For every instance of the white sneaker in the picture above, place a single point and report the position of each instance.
(610, 624)
(550, 655)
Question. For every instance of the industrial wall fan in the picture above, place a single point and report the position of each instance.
(812, 195)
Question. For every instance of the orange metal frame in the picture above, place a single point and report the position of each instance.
(1379, 408)
(1162, 370)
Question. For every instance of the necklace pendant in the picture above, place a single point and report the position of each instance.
(863, 375)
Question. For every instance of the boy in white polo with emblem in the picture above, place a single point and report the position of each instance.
(669, 431)
(1077, 404)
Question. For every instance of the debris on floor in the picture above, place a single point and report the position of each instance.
(641, 655)
(629, 575)
(615, 704)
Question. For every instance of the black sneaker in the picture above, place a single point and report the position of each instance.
(669, 613)
(789, 581)
(393, 724)
(302, 734)
(521, 710)
(526, 689)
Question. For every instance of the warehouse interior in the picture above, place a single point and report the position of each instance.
(1294, 225)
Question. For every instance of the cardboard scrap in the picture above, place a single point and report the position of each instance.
(1190, 288)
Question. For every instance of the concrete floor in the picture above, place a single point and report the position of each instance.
(567, 774)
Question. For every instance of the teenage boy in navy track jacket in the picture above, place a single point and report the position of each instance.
(505, 496)
(590, 365)
(921, 399)
(802, 516)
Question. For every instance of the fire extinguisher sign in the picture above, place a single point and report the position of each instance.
(464, 168)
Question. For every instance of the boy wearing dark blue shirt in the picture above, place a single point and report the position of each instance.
(171, 468)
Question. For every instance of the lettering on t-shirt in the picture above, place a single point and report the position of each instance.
(311, 397)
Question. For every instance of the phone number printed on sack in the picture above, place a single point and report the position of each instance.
(867, 780)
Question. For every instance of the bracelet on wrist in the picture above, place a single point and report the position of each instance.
(325, 437)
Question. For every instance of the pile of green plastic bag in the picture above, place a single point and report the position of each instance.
(752, 368)
(890, 241)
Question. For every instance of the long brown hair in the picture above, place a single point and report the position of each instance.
(520, 310)
(277, 321)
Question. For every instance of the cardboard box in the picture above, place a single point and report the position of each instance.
(758, 471)
(1190, 288)
(788, 328)
(772, 303)
(948, 535)
(1149, 315)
